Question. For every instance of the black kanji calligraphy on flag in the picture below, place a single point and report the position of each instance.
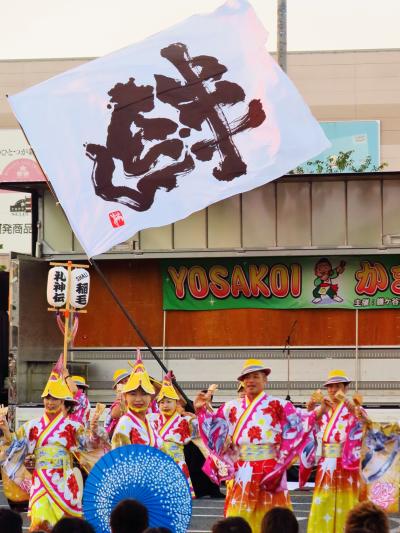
(129, 129)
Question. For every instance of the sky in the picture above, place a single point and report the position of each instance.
(91, 28)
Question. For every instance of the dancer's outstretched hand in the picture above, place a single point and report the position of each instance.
(201, 400)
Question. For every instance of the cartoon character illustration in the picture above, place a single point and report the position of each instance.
(323, 282)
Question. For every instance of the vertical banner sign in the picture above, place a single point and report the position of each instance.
(347, 282)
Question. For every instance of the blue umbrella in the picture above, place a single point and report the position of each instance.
(140, 473)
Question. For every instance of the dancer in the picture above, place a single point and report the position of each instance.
(56, 489)
(337, 482)
(133, 427)
(174, 429)
(265, 434)
(240, 394)
(118, 407)
(240, 391)
(80, 412)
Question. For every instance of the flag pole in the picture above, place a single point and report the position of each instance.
(134, 325)
(282, 34)
(67, 313)
(164, 334)
(356, 346)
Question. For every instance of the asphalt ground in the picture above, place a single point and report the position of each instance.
(207, 511)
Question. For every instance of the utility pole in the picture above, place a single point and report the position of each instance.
(282, 34)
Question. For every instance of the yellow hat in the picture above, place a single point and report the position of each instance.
(253, 365)
(119, 375)
(167, 389)
(153, 381)
(58, 389)
(56, 385)
(337, 376)
(80, 381)
(139, 377)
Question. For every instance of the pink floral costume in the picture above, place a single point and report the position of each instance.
(55, 491)
(337, 484)
(266, 433)
(175, 431)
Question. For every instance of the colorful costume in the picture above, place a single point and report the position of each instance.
(337, 482)
(56, 489)
(16, 489)
(81, 413)
(110, 422)
(131, 429)
(266, 434)
(174, 429)
(380, 460)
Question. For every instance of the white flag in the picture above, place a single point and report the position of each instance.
(147, 135)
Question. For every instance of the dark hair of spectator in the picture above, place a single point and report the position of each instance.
(129, 516)
(10, 521)
(72, 525)
(367, 517)
(233, 524)
(279, 520)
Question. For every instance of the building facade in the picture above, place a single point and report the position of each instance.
(340, 216)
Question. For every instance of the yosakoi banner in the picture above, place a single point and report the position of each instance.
(163, 128)
(363, 282)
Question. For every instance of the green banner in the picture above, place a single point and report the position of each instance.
(347, 282)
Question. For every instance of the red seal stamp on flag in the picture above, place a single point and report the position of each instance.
(116, 219)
